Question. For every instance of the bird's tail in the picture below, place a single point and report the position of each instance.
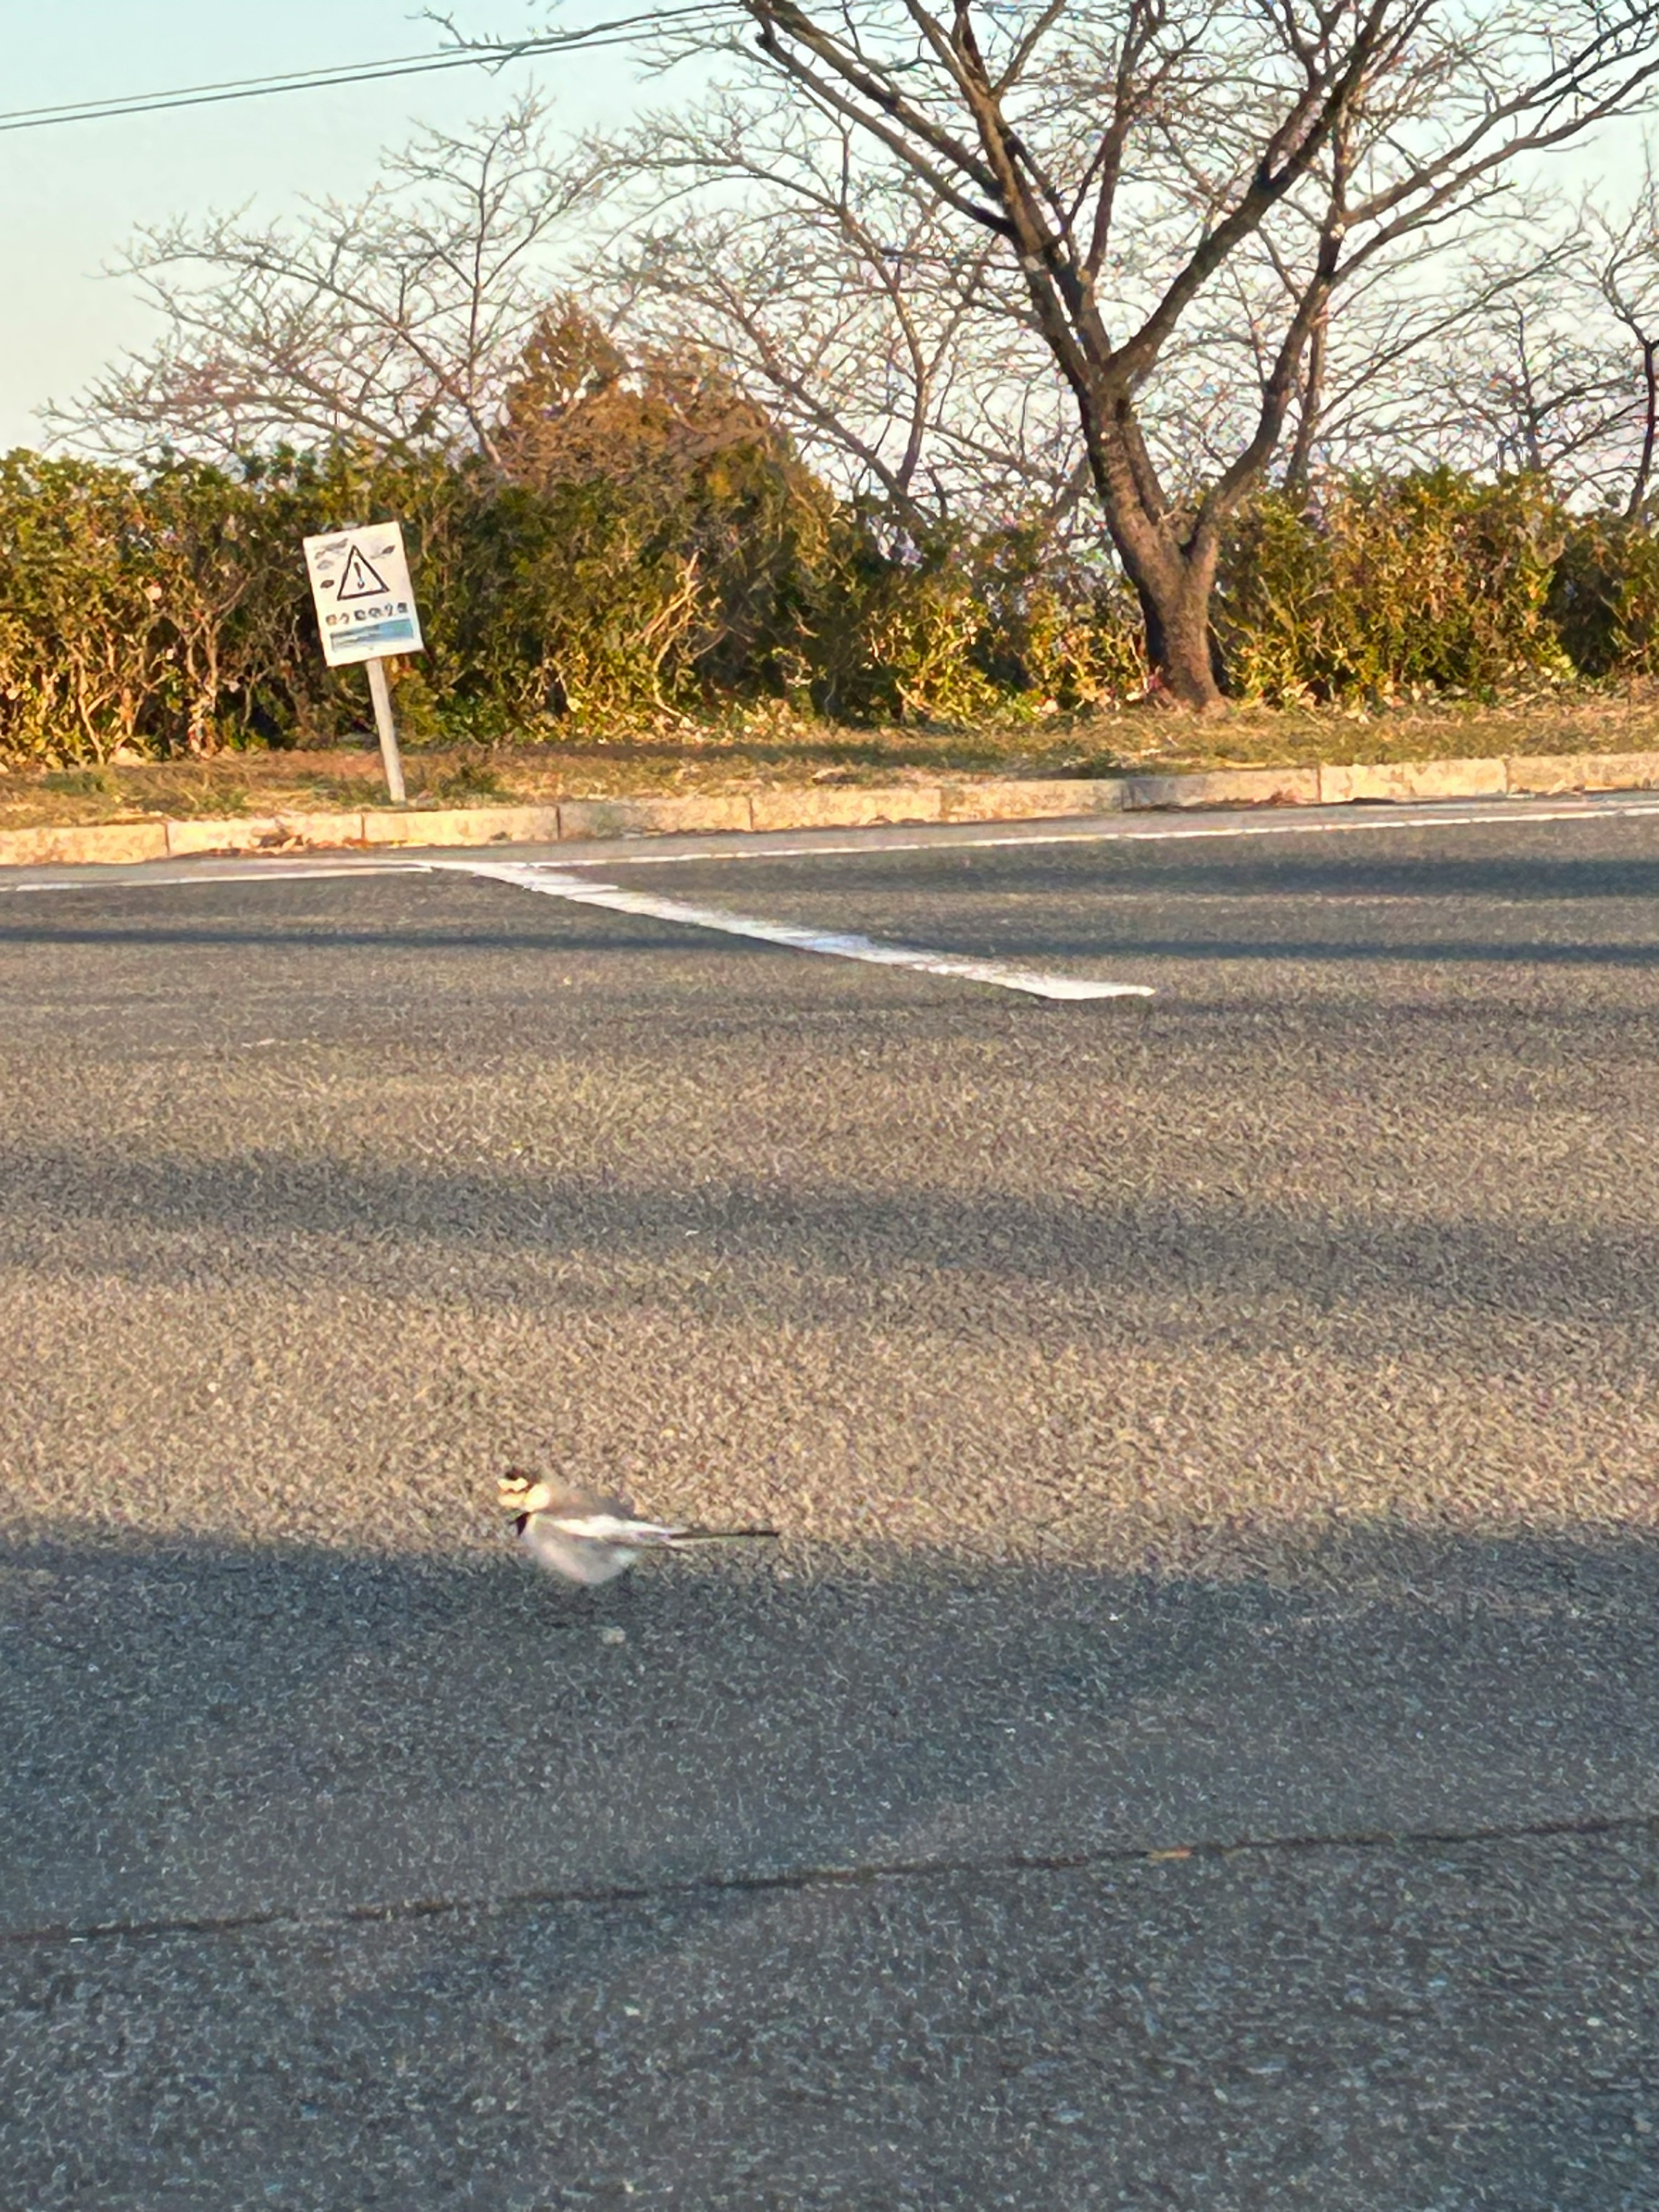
(720, 1535)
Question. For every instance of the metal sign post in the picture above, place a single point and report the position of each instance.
(390, 759)
(366, 612)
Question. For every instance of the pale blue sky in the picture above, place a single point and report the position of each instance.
(71, 196)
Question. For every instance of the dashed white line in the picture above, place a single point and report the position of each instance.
(837, 945)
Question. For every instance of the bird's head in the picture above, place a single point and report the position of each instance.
(518, 1492)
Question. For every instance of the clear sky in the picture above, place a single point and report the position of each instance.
(72, 195)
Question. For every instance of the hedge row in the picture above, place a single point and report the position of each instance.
(169, 613)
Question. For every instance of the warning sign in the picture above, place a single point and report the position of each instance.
(360, 581)
(365, 603)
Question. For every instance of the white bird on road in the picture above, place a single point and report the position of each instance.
(589, 1539)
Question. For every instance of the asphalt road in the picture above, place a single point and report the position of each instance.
(1195, 1746)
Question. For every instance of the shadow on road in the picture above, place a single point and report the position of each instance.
(1184, 1252)
(1112, 935)
(829, 1885)
(1316, 900)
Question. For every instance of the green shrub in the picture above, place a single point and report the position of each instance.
(1435, 581)
(1604, 598)
(80, 655)
(962, 626)
(652, 543)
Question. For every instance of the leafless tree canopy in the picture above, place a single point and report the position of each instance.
(1129, 174)
(840, 291)
(1084, 261)
(397, 321)
(1620, 256)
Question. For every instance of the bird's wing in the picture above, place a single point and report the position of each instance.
(677, 1536)
(577, 1559)
(605, 1526)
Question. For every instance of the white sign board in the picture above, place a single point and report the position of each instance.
(365, 603)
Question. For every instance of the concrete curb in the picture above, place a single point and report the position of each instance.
(816, 807)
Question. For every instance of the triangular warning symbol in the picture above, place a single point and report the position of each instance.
(360, 581)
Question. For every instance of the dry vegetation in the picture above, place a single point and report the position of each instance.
(776, 747)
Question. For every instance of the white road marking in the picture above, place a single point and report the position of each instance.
(966, 836)
(136, 875)
(838, 944)
(1117, 829)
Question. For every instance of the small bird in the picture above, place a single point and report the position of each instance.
(589, 1539)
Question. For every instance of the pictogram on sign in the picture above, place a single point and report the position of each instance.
(365, 602)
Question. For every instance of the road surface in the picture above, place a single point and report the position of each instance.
(1195, 1744)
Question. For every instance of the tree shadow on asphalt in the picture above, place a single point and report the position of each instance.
(1005, 938)
(1184, 1259)
(1185, 861)
(830, 1883)
(1124, 888)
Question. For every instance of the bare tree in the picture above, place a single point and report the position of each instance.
(842, 294)
(1509, 369)
(1621, 257)
(1535, 353)
(397, 321)
(1120, 161)
(1543, 392)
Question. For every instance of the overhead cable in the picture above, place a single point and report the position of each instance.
(620, 31)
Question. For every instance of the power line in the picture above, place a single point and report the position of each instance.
(619, 31)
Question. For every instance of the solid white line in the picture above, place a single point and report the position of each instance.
(1292, 821)
(837, 945)
(1115, 829)
(94, 877)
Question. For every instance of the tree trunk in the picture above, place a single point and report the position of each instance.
(1181, 648)
(1298, 469)
(1638, 491)
(1173, 571)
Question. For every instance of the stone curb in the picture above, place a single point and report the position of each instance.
(837, 806)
